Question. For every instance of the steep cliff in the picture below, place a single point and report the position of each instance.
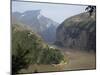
(77, 32)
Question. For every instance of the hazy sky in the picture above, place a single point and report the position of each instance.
(56, 12)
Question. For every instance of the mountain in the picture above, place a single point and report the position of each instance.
(40, 24)
(78, 32)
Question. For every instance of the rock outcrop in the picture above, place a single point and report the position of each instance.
(78, 32)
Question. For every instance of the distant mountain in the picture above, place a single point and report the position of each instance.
(78, 32)
(37, 22)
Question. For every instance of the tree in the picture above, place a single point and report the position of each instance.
(90, 9)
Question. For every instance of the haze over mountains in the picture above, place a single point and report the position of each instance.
(78, 31)
(38, 23)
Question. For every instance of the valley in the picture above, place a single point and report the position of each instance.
(77, 60)
(39, 44)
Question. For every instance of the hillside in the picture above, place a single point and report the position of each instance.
(28, 48)
(77, 32)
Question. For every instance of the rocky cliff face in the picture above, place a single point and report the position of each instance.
(78, 32)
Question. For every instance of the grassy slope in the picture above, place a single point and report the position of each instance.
(82, 20)
(30, 41)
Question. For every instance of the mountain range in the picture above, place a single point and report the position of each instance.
(38, 23)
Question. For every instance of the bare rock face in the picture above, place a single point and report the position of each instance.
(78, 32)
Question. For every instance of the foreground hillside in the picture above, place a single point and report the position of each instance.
(28, 48)
(78, 32)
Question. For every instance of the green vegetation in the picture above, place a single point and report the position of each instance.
(19, 60)
(28, 48)
(51, 56)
